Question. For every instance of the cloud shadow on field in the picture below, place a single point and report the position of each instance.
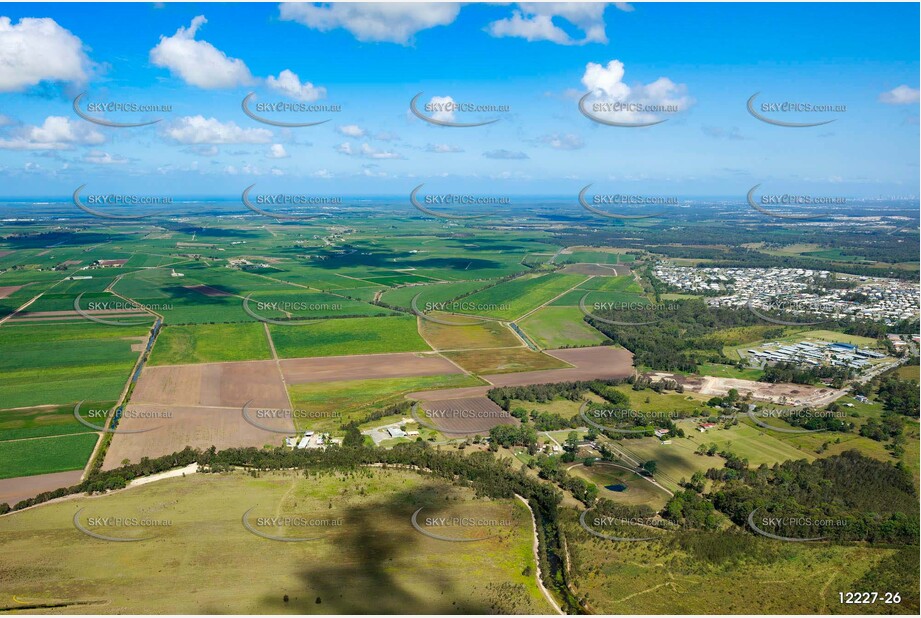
(375, 541)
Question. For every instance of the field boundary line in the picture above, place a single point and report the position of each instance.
(281, 374)
(57, 435)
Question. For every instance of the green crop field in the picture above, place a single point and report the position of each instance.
(560, 327)
(512, 299)
(431, 293)
(348, 336)
(361, 522)
(65, 363)
(511, 360)
(43, 455)
(328, 405)
(210, 343)
(473, 334)
(45, 421)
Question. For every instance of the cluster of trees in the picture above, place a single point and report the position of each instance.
(545, 393)
(828, 419)
(791, 372)
(845, 497)
(514, 435)
(899, 396)
(886, 427)
(680, 337)
(100, 481)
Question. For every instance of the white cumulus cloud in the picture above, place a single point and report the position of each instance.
(351, 130)
(392, 22)
(103, 158)
(55, 133)
(288, 83)
(201, 130)
(563, 141)
(901, 95)
(534, 21)
(199, 63)
(277, 151)
(607, 85)
(443, 148)
(38, 49)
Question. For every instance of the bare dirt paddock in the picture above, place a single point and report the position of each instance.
(785, 394)
(24, 487)
(6, 290)
(465, 416)
(594, 363)
(212, 385)
(365, 367)
(200, 406)
(173, 427)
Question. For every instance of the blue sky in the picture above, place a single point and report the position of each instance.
(704, 60)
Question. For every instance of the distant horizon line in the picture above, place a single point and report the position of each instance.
(405, 196)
